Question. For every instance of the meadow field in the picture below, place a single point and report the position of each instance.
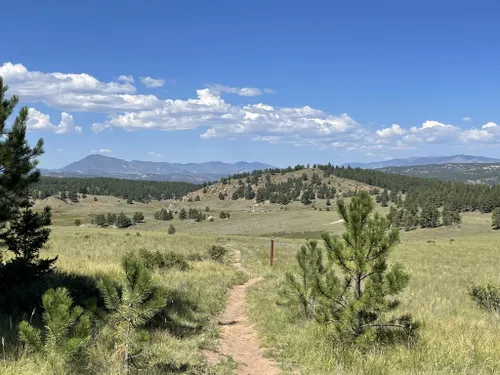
(456, 336)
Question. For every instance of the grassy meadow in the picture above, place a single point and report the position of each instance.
(456, 336)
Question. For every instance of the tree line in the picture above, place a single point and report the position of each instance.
(133, 190)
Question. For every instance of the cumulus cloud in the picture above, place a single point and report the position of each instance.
(395, 129)
(121, 107)
(127, 79)
(152, 82)
(41, 121)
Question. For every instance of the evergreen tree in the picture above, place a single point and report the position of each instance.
(328, 203)
(138, 217)
(300, 289)
(123, 221)
(429, 217)
(171, 229)
(100, 220)
(182, 214)
(197, 198)
(451, 216)
(384, 199)
(221, 196)
(110, 219)
(358, 305)
(78, 222)
(131, 304)
(249, 194)
(130, 200)
(66, 333)
(495, 218)
(63, 196)
(25, 237)
(73, 196)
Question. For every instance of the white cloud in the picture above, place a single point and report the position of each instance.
(105, 150)
(298, 126)
(127, 79)
(466, 119)
(243, 91)
(152, 153)
(41, 121)
(152, 82)
(395, 129)
(269, 91)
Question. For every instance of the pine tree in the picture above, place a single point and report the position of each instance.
(429, 217)
(182, 214)
(100, 220)
(328, 203)
(111, 219)
(25, 237)
(138, 217)
(249, 194)
(451, 216)
(495, 218)
(358, 305)
(221, 196)
(123, 221)
(131, 304)
(384, 199)
(67, 330)
(171, 229)
(73, 196)
(300, 289)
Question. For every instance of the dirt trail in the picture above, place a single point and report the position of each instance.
(238, 338)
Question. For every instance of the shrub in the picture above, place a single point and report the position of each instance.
(225, 215)
(78, 222)
(171, 229)
(197, 198)
(487, 297)
(217, 253)
(100, 220)
(207, 209)
(138, 217)
(158, 260)
(123, 221)
(95, 199)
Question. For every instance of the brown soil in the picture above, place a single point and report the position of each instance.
(238, 338)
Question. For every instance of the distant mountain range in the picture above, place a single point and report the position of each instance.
(104, 166)
(472, 173)
(413, 161)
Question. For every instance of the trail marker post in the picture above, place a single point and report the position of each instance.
(271, 253)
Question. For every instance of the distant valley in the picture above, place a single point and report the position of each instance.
(104, 166)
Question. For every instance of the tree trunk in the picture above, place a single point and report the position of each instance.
(359, 322)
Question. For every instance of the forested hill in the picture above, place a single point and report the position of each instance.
(137, 190)
(468, 173)
(417, 190)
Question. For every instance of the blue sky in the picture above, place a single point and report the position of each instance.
(282, 82)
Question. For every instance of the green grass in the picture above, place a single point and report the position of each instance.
(456, 336)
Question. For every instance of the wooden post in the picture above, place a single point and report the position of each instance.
(271, 254)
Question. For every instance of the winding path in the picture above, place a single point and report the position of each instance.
(238, 338)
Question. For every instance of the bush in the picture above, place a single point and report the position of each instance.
(207, 209)
(100, 220)
(171, 229)
(217, 253)
(224, 215)
(138, 217)
(95, 199)
(487, 297)
(197, 198)
(123, 221)
(158, 260)
(78, 222)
